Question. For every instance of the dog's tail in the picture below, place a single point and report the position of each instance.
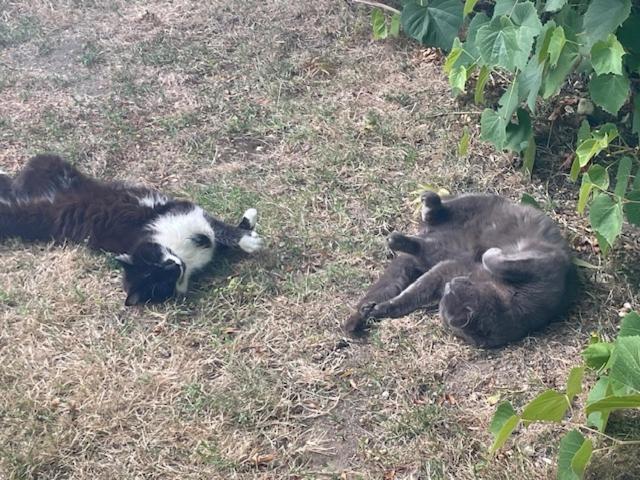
(28, 222)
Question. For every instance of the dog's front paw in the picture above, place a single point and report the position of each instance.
(357, 321)
(366, 309)
(396, 241)
(251, 217)
(251, 243)
(382, 310)
(431, 200)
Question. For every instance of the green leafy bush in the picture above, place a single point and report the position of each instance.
(534, 48)
(617, 367)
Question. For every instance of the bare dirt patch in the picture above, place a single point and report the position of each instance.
(292, 108)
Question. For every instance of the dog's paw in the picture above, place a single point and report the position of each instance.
(381, 310)
(395, 241)
(251, 217)
(251, 243)
(366, 309)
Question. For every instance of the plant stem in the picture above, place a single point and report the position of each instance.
(617, 441)
(621, 149)
(377, 5)
(444, 114)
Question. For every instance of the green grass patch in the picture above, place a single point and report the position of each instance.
(24, 29)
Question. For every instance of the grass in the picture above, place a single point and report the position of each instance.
(291, 108)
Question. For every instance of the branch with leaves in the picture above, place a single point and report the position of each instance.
(617, 366)
(535, 60)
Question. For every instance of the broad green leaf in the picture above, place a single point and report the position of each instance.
(605, 216)
(628, 36)
(542, 45)
(635, 127)
(599, 391)
(504, 7)
(468, 6)
(575, 169)
(625, 366)
(527, 199)
(509, 101)
(554, 5)
(630, 325)
(504, 411)
(585, 192)
(570, 446)
(606, 56)
(483, 77)
(525, 17)
(574, 382)
(603, 17)
(502, 424)
(379, 24)
(597, 354)
(548, 406)
(463, 146)
(471, 53)
(498, 43)
(589, 148)
(529, 157)
(614, 402)
(636, 181)
(598, 176)
(493, 128)
(608, 129)
(394, 28)
(581, 458)
(567, 63)
(556, 44)
(435, 24)
(453, 56)
(518, 134)
(458, 79)
(604, 245)
(598, 141)
(622, 177)
(609, 91)
(595, 176)
(632, 206)
(504, 433)
(584, 131)
(573, 23)
(529, 82)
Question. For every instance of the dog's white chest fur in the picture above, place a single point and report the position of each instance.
(176, 231)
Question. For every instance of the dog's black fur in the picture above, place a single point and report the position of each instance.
(51, 200)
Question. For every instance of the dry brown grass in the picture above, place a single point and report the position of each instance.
(288, 106)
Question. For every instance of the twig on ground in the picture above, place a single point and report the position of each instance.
(377, 5)
(444, 114)
(6, 65)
